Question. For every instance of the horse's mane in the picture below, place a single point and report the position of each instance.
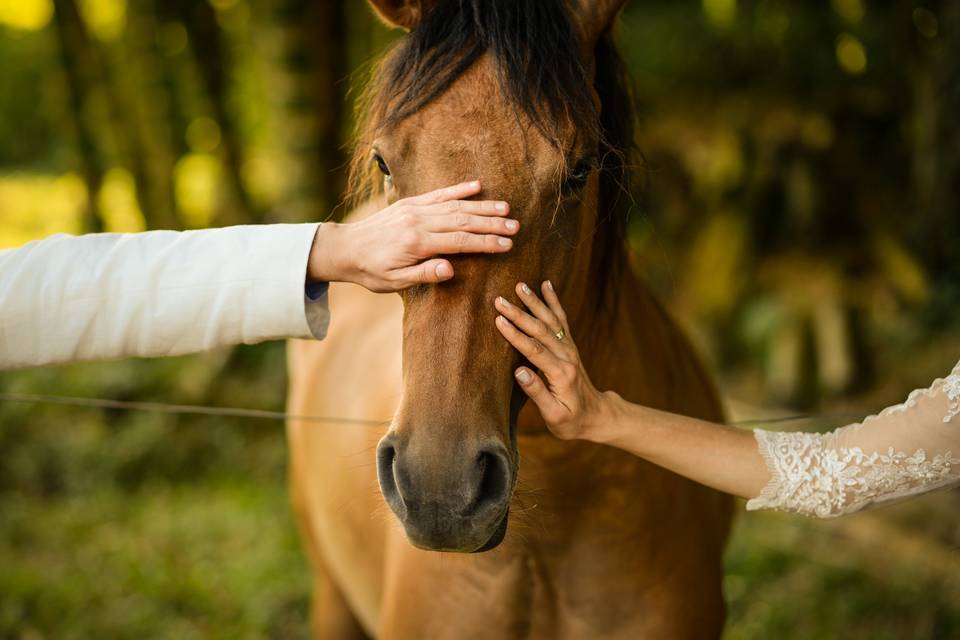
(536, 50)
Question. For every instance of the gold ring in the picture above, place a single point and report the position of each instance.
(560, 335)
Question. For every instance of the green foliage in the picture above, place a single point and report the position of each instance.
(28, 92)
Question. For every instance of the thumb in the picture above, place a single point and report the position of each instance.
(533, 386)
(428, 272)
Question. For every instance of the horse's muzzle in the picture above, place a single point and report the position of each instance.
(447, 501)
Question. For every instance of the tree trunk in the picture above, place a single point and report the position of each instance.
(79, 62)
(147, 100)
(206, 42)
(311, 61)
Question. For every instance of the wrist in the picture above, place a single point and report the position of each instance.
(329, 254)
(603, 421)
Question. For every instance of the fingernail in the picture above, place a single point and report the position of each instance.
(511, 225)
(523, 376)
(475, 184)
(500, 206)
(505, 242)
(549, 285)
(443, 270)
(527, 290)
(503, 301)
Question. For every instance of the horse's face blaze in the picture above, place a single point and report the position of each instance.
(449, 464)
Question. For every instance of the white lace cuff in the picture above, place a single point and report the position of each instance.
(905, 450)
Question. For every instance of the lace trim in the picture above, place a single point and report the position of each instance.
(949, 385)
(814, 480)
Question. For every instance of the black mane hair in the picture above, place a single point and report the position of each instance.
(537, 54)
(532, 41)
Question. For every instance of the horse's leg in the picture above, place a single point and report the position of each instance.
(331, 617)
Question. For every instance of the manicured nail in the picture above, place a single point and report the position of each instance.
(526, 289)
(500, 206)
(475, 184)
(549, 285)
(503, 301)
(444, 270)
(511, 225)
(505, 242)
(523, 376)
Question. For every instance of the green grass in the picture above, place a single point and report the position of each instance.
(863, 576)
(219, 560)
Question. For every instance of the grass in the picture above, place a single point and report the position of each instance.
(219, 560)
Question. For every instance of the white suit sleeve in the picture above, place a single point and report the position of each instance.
(160, 293)
(907, 449)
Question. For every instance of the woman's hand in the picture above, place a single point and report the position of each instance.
(725, 458)
(395, 248)
(569, 403)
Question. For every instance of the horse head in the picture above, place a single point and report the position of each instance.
(513, 92)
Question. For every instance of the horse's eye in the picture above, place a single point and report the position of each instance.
(577, 178)
(382, 164)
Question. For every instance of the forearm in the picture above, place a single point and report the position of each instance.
(722, 457)
(158, 293)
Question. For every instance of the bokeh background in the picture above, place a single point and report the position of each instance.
(800, 212)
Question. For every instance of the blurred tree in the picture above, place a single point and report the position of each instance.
(311, 68)
(200, 21)
(144, 93)
(813, 205)
(78, 59)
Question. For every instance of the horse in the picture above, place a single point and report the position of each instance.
(463, 517)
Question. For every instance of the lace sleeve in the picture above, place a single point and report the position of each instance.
(906, 449)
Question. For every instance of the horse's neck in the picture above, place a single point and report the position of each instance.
(631, 344)
(595, 319)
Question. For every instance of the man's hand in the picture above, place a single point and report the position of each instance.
(396, 247)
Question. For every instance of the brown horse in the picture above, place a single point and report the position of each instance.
(527, 96)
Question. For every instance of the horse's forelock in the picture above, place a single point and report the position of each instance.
(538, 59)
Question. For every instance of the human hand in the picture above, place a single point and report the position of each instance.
(569, 403)
(395, 248)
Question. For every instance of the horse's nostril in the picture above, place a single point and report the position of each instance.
(494, 481)
(386, 456)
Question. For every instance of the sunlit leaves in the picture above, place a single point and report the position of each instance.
(29, 15)
(118, 203)
(851, 11)
(197, 183)
(851, 54)
(105, 18)
(35, 206)
(720, 13)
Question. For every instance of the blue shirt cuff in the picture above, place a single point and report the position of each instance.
(316, 290)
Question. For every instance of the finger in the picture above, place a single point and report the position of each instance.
(470, 223)
(553, 301)
(531, 348)
(539, 309)
(477, 207)
(550, 408)
(428, 272)
(453, 192)
(465, 242)
(531, 326)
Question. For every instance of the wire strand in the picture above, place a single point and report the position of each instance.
(262, 414)
(182, 409)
